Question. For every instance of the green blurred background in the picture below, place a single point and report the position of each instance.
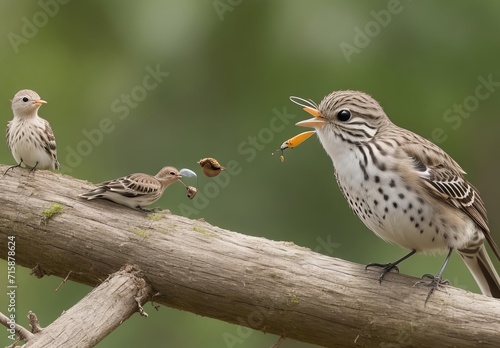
(231, 66)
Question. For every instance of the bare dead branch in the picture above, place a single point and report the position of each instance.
(23, 333)
(33, 322)
(109, 304)
(63, 281)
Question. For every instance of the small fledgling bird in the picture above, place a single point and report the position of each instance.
(404, 188)
(210, 166)
(29, 137)
(135, 190)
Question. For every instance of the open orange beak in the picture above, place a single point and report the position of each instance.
(315, 122)
(39, 102)
(296, 140)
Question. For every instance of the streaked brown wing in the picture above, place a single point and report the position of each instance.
(134, 185)
(456, 190)
(49, 137)
(7, 135)
(445, 180)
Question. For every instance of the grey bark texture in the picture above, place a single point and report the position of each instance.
(97, 314)
(271, 286)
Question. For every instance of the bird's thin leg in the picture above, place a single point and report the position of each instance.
(12, 167)
(436, 281)
(387, 267)
(34, 168)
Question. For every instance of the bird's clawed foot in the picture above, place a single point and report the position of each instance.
(386, 268)
(146, 210)
(12, 167)
(19, 165)
(435, 284)
(32, 170)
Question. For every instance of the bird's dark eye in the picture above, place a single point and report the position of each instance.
(172, 173)
(344, 115)
(25, 99)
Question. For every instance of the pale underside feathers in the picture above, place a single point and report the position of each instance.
(30, 137)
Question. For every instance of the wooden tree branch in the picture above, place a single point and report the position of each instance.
(98, 314)
(34, 323)
(270, 286)
(14, 328)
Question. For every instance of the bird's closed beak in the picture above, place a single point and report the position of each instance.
(39, 102)
(315, 122)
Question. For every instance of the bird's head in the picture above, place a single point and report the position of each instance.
(26, 103)
(168, 175)
(348, 117)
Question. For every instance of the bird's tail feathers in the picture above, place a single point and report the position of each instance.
(94, 194)
(483, 271)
